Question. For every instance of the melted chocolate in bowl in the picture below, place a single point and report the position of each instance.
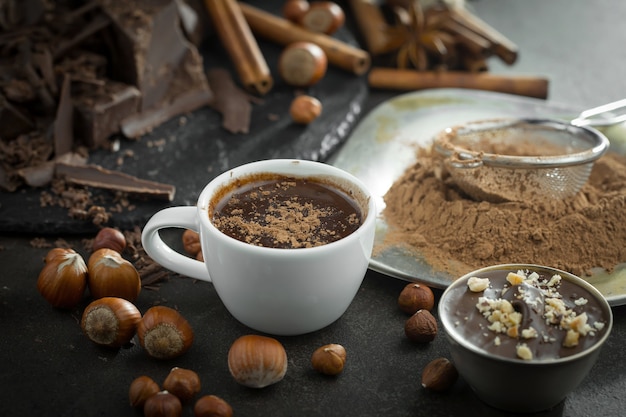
(277, 211)
(542, 318)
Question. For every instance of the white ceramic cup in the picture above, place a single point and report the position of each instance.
(272, 290)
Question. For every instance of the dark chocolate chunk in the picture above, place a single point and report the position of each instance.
(98, 177)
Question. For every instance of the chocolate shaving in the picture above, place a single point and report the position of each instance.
(98, 177)
(150, 272)
(230, 101)
(139, 124)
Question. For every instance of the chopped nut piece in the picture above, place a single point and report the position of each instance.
(529, 333)
(571, 338)
(515, 279)
(476, 284)
(524, 352)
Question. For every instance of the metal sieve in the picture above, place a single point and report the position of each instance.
(520, 159)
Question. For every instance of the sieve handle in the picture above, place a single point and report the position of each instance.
(590, 117)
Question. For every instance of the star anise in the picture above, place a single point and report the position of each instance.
(419, 41)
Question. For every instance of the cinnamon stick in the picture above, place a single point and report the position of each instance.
(284, 32)
(372, 25)
(395, 79)
(239, 42)
(504, 48)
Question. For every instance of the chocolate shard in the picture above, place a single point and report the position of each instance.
(139, 124)
(63, 123)
(230, 101)
(99, 177)
(151, 37)
(99, 109)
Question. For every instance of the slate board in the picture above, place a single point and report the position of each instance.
(195, 152)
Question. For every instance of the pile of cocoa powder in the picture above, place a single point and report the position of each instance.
(428, 214)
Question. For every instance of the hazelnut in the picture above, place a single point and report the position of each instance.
(329, 359)
(63, 279)
(421, 327)
(304, 109)
(109, 238)
(415, 297)
(110, 321)
(293, 10)
(439, 375)
(191, 242)
(257, 361)
(162, 404)
(141, 389)
(212, 406)
(302, 64)
(183, 383)
(110, 275)
(323, 17)
(164, 333)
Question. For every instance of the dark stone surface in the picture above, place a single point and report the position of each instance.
(48, 368)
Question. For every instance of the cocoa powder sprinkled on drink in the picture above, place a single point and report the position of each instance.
(287, 213)
(428, 214)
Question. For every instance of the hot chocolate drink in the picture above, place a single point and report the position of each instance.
(285, 212)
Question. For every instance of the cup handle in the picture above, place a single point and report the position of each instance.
(180, 217)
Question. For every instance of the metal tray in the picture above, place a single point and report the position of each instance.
(383, 145)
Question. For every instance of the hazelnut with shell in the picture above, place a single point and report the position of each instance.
(421, 327)
(293, 10)
(164, 333)
(323, 17)
(110, 321)
(63, 279)
(329, 359)
(257, 361)
(110, 275)
(109, 238)
(304, 109)
(414, 297)
(212, 406)
(191, 242)
(162, 404)
(141, 389)
(439, 375)
(302, 64)
(183, 383)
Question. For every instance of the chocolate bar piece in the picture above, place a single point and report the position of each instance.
(98, 177)
(99, 109)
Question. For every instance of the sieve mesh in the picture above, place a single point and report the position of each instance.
(538, 159)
